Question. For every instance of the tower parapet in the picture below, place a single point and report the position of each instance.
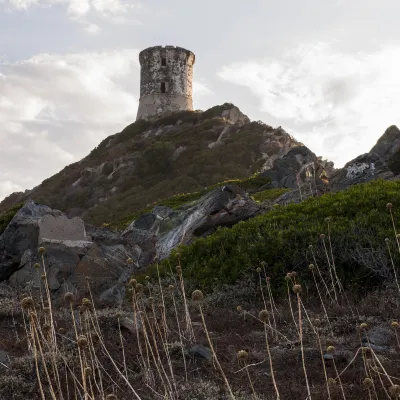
(166, 75)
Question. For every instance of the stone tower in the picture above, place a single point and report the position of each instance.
(166, 75)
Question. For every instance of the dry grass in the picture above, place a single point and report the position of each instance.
(230, 330)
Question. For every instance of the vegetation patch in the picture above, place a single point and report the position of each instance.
(358, 225)
(269, 194)
(7, 216)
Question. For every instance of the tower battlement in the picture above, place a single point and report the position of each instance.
(166, 74)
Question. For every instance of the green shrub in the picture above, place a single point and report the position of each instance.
(7, 216)
(281, 238)
(269, 194)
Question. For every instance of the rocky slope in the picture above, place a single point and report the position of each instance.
(150, 161)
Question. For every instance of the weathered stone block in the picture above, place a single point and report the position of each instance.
(61, 228)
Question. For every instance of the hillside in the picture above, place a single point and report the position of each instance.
(150, 161)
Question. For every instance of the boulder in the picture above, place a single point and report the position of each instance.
(158, 232)
(21, 234)
(290, 170)
(71, 259)
(362, 169)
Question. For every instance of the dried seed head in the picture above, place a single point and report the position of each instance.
(61, 331)
(133, 282)
(317, 322)
(398, 236)
(41, 250)
(239, 308)
(82, 341)
(36, 265)
(387, 240)
(288, 277)
(394, 390)
(322, 236)
(242, 355)
(86, 302)
(363, 326)
(311, 267)
(330, 349)
(179, 269)
(171, 287)
(129, 261)
(367, 382)
(258, 270)
(27, 303)
(328, 219)
(263, 315)
(297, 289)
(389, 206)
(294, 273)
(46, 328)
(267, 279)
(69, 297)
(111, 396)
(395, 325)
(197, 296)
(310, 246)
(43, 276)
(147, 278)
(365, 350)
(139, 288)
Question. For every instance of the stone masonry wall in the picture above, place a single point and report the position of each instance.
(175, 77)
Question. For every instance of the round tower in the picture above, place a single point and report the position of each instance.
(166, 74)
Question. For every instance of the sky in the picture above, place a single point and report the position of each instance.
(328, 72)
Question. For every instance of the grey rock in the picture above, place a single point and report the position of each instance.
(129, 324)
(199, 351)
(388, 144)
(113, 296)
(61, 228)
(4, 359)
(379, 338)
(289, 171)
(362, 169)
(21, 234)
(158, 232)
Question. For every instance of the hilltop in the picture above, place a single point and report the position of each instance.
(152, 160)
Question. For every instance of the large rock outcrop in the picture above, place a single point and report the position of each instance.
(77, 254)
(152, 160)
(382, 162)
(157, 233)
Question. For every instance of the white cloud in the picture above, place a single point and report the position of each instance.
(54, 109)
(79, 10)
(338, 104)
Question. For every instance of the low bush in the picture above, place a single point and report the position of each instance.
(359, 223)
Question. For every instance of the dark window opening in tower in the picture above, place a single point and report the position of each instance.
(163, 61)
(163, 88)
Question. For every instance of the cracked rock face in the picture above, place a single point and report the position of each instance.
(77, 255)
(382, 162)
(158, 232)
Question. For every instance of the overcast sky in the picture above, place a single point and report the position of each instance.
(326, 71)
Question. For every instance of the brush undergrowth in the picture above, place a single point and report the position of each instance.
(281, 238)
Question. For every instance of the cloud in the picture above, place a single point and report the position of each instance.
(336, 103)
(54, 109)
(80, 10)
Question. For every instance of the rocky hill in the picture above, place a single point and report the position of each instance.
(151, 161)
(297, 263)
